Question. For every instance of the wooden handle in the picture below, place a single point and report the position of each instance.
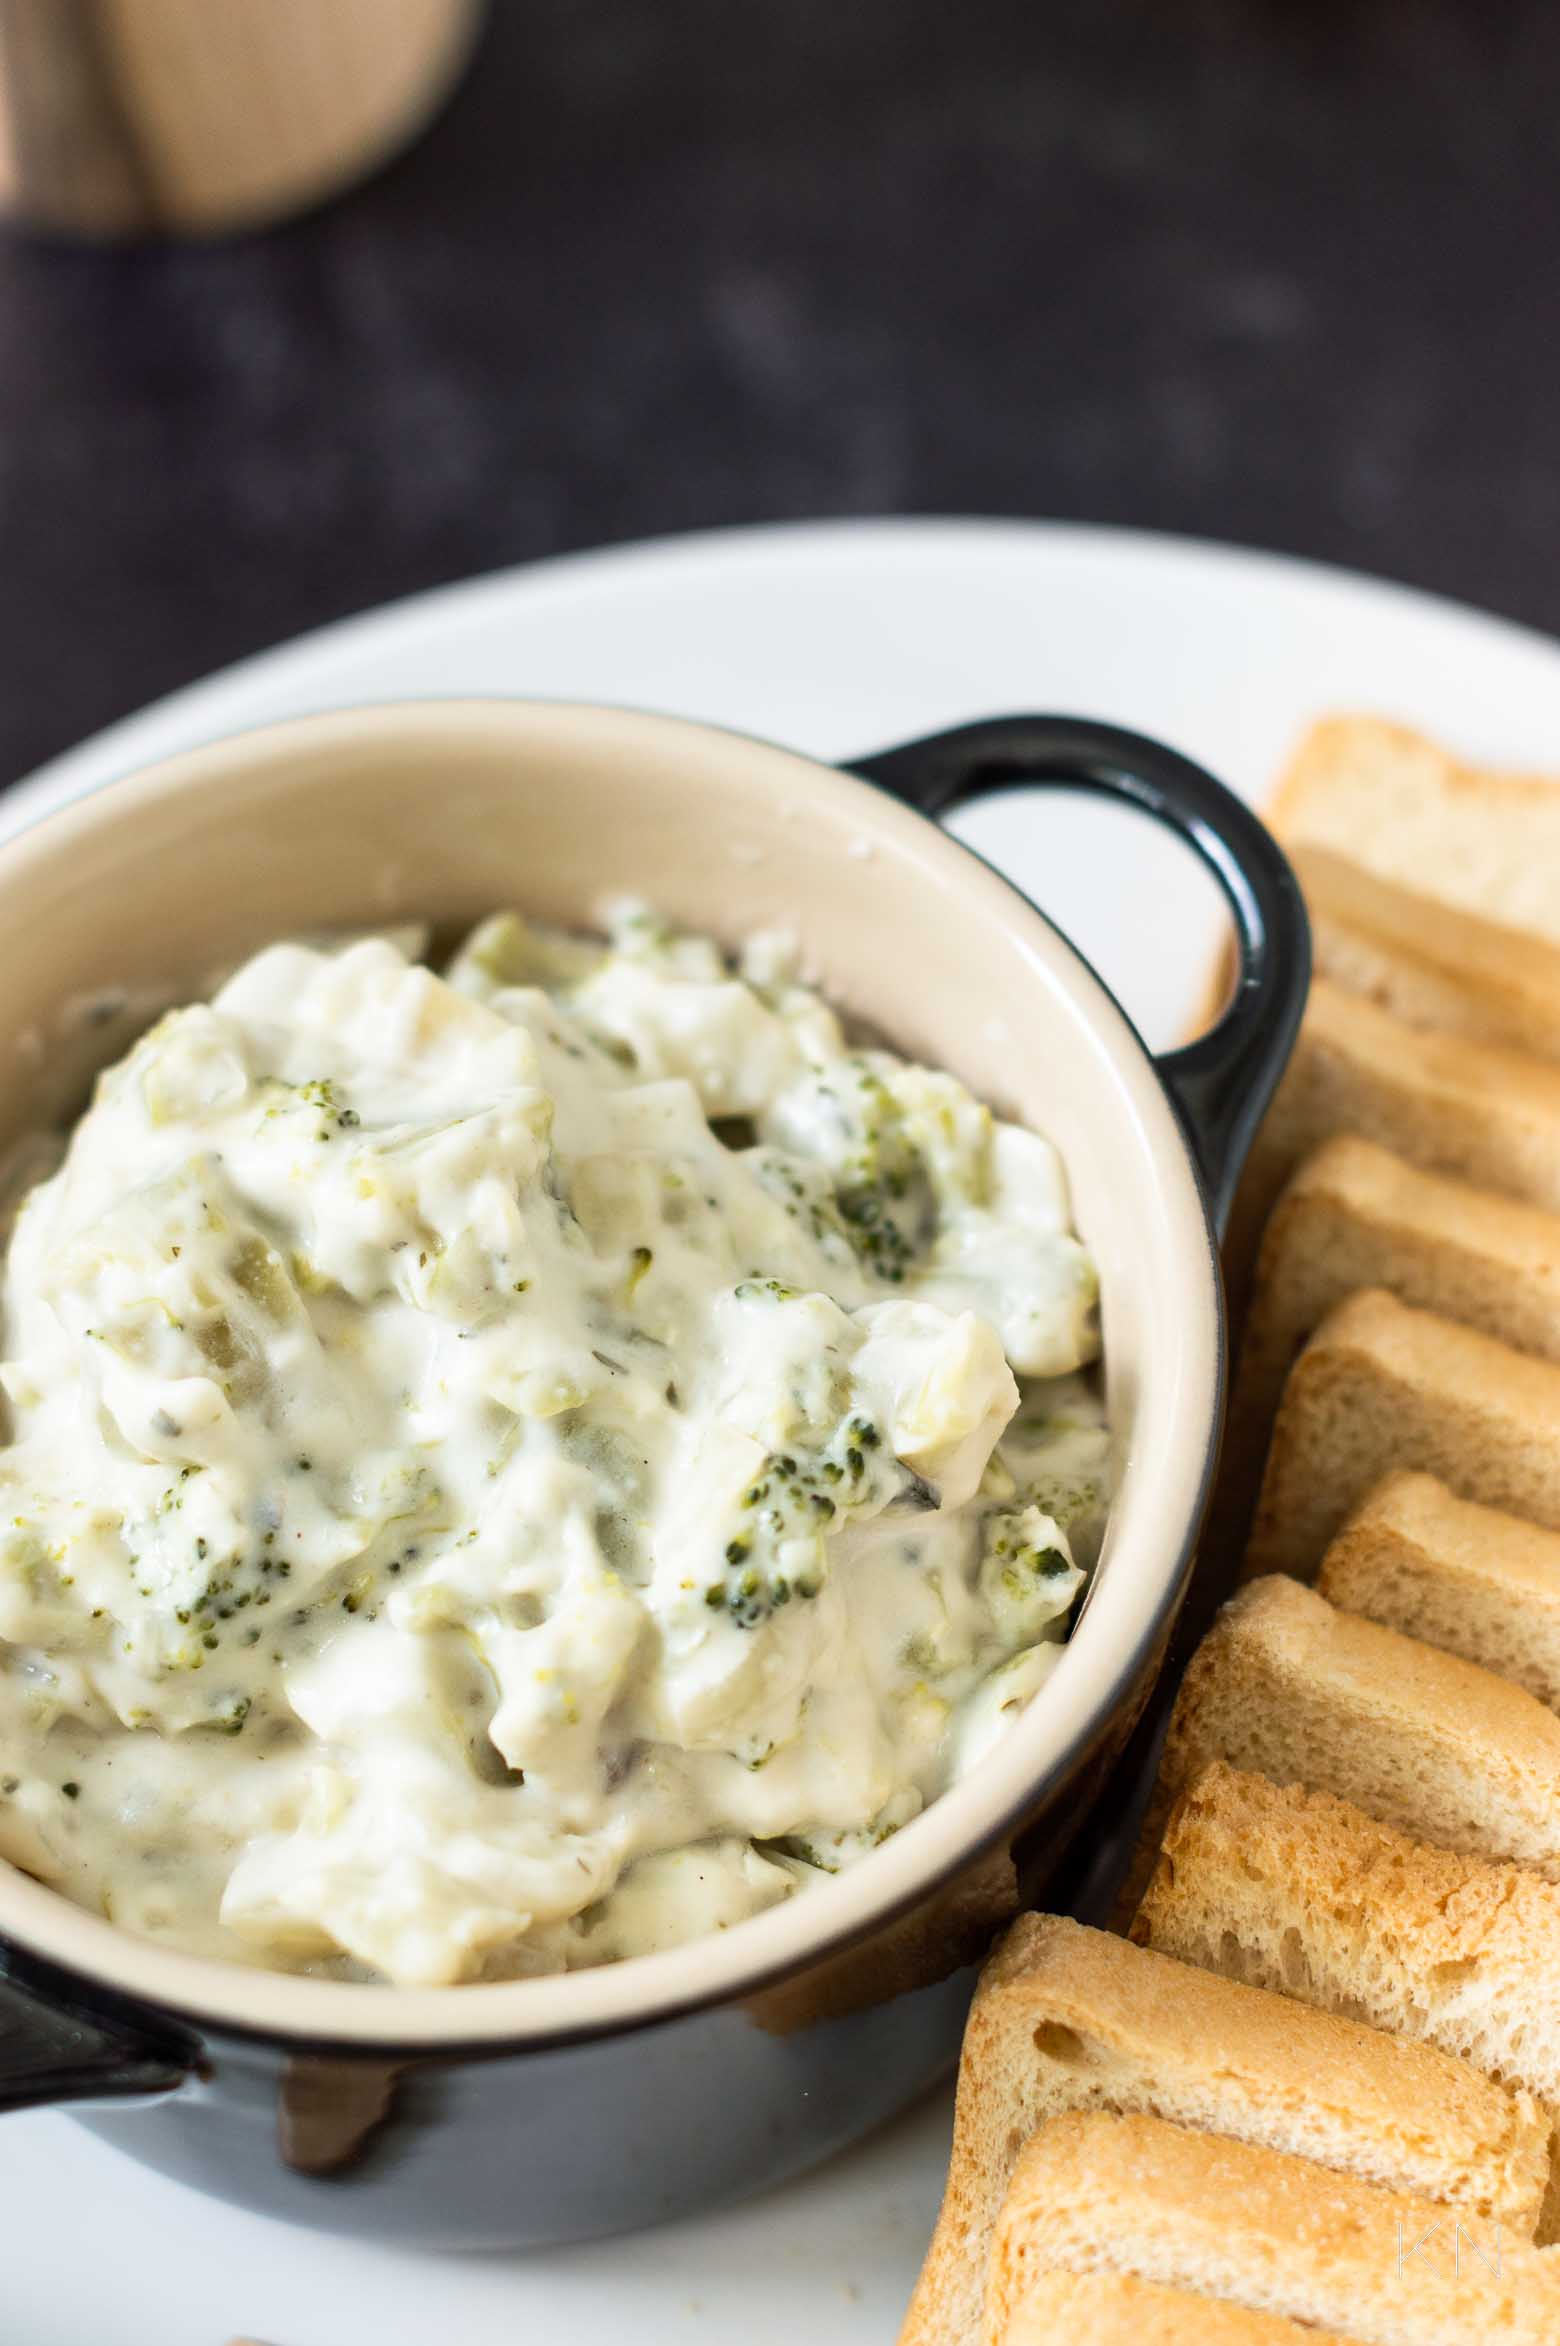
(123, 118)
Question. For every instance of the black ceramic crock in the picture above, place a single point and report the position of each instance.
(551, 2110)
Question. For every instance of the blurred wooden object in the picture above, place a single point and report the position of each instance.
(127, 118)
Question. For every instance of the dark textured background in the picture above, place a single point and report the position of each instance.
(1281, 271)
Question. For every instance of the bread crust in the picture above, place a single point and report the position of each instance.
(1297, 1890)
(1115, 2309)
(1284, 1685)
(1430, 964)
(1355, 1216)
(1301, 1892)
(1486, 839)
(1381, 1386)
(1472, 1580)
(1479, 1114)
(1071, 2018)
(1264, 2229)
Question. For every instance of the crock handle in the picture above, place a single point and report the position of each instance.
(1220, 1084)
(52, 2053)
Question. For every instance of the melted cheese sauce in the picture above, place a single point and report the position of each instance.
(515, 1468)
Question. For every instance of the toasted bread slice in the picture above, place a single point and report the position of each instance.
(1303, 1893)
(1113, 2309)
(1467, 1579)
(1486, 1116)
(1390, 800)
(1265, 2230)
(1286, 1686)
(1299, 1891)
(1069, 2018)
(1380, 1387)
(1428, 963)
(1356, 1216)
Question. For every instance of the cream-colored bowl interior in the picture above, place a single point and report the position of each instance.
(445, 810)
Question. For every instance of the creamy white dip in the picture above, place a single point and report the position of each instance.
(513, 1469)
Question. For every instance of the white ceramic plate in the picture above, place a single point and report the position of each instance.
(837, 639)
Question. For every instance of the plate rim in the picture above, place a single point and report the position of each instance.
(450, 605)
